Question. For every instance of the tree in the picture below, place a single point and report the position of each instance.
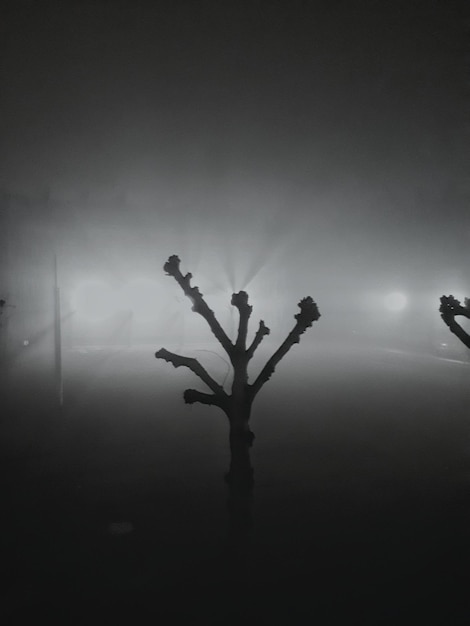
(451, 308)
(238, 403)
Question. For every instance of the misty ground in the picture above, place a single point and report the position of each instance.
(361, 505)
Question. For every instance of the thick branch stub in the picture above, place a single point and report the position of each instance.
(240, 301)
(309, 313)
(193, 364)
(450, 308)
(262, 331)
(172, 268)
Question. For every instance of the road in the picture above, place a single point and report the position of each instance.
(361, 493)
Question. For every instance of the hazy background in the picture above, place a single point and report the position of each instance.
(290, 148)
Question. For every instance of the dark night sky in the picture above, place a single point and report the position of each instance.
(337, 128)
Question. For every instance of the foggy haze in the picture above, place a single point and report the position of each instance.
(278, 148)
(288, 149)
(330, 139)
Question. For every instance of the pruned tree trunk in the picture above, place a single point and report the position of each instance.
(240, 481)
(237, 403)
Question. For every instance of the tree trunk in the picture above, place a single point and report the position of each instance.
(240, 481)
(241, 440)
(237, 404)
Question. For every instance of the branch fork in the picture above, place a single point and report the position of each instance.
(242, 393)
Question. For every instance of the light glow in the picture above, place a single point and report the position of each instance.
(395, 301)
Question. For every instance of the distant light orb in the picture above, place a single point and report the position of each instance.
(94, 300)
(395, 301)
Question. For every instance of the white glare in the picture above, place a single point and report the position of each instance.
(395, 301)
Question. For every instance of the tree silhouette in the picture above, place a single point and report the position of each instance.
(450, 308)
(238, 403)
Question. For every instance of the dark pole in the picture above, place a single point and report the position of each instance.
(57, 338)
(5, 269)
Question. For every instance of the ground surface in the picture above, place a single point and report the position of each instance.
(115, 508)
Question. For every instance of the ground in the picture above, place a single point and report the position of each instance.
(115, 506)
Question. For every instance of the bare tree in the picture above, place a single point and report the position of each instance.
(451, 308)
(236, 404)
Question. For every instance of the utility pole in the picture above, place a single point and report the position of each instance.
(5, 269)
(58, 338)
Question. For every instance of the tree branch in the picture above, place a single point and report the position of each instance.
(240, 301)
(450, 308)
(309, 313)
(192, 395)
(260, 333)
(172, 268)
(194, 366)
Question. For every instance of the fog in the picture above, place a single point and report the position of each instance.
(361, 474)
(281, 148)
(286, 151)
